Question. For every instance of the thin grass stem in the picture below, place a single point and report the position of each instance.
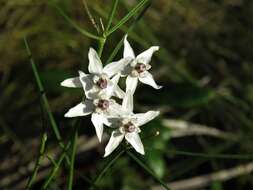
(143, 165)
(72, 159)
(43, 141)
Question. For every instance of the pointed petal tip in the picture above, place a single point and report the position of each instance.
(158, 87)
(142, 152)
(106, 154)
(67, 115)
(156, 48)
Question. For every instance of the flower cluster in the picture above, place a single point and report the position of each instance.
(101, 84)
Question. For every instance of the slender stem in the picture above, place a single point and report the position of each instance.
(44, 98)
(136, 20)
(90, 16)
(107, 166)
(101, 45)
(127, 17)
(111, 15)
(72, 159)
(143, 165)
(55, 169)
(38, 162)
(73, 24)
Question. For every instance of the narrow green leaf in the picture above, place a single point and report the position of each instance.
(107, 166)
(73, 24)
(143, 165)
(39, 160)
(111, 15)
(44, 99)
(72, 159)
(131, 27)
(127, 17)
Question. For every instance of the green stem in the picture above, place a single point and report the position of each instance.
(107, 166)
(111, 15)
(134, 23)
(38, 162)
(127, 17)
(101, 45)
(44, 98)
(73, 24)
(138, 161)
(55, 169)
(72, 159)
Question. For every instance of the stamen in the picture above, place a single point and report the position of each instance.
(129, 127)
(102, 83)
(103, 104)
(140, 67)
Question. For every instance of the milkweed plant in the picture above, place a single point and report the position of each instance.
(108, 104)
(101, 85)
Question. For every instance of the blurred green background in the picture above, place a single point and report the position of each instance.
(205, 65)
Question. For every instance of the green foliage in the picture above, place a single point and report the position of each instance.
(204, 63)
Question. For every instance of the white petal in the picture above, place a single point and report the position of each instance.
(115, 109)
(135, 140)
(143, 118)
(149, 80)
(72, 83)
(95, 65)
(87, 83)
(108, 92)
(98, 120)
(128, 51)
(116, 67)
(145, 57)
(118, 92)
(82, 109)
(114, 142)
(131, 83)
(127, 104)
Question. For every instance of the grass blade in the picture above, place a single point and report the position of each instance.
(38, 162)
(107, 166)
(43, 95)
(73, 24)
(131, 27)
(72, 159)
(111, 15)
(143, 165)
(55, 169)
(127, 17)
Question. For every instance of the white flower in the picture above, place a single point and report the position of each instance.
(99, 108)
(127, 125)
(138, 67)
(98, 81)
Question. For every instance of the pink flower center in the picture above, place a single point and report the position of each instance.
(102, 83)
(103, 104)
(129, 127)
(140, 67)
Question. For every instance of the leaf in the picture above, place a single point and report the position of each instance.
(73, 24)
(127, 17)
(156, 162)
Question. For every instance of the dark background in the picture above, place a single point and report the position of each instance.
(205, 65)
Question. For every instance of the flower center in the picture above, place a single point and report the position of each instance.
(129, 127)
(140, 67)
(102, 83)
(103, 104)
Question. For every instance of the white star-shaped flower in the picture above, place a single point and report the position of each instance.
(127, 125)
(138, 67)
(98, 81)
(99, 108)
